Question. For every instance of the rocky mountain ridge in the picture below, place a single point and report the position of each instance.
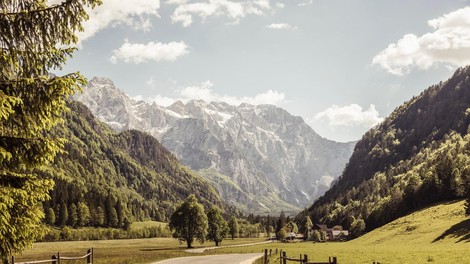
(260, 158)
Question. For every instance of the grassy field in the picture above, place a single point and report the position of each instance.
(439, 234)
(138, 225)
(120, 251)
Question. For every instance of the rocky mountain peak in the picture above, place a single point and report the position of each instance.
(259, 157)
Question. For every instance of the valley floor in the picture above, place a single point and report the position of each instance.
(438, 234)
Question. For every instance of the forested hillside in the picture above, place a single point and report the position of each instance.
(419, 155)
(109, 179)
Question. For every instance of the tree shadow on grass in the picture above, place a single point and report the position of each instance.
(460, 231)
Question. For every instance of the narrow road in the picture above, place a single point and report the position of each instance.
(214, 259)
(201, 250)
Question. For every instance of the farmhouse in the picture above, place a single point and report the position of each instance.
(331, 234)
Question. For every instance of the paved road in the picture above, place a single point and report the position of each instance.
(201, 250)
(215, 259)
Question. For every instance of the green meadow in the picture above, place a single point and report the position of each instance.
(438, 234)
(120, 251)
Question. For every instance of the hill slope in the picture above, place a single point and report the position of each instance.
(117, 176)
(418, 156)
(439, 225)
(436, 234)
(260, 158)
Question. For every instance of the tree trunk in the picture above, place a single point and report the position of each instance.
(188, 243)
(216, 243)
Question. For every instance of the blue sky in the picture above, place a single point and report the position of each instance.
(342, 65)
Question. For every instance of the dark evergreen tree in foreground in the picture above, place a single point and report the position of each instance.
(33, 41)
(189, 222)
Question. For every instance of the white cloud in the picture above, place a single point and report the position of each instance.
(152, 51)
(280, 26)
(204, 91)
(176, 2)
(185, 11)
(280, 5)
(349, 116)
(448, 44)
(133, 13)
(306, 3)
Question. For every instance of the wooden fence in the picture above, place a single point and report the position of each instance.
(303, 259)
(56, 259)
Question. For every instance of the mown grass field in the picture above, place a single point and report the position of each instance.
(439, 234)
(120, 251)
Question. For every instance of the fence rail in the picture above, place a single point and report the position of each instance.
(55, 259)
(303, 259)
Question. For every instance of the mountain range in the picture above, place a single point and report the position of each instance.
(260, 158)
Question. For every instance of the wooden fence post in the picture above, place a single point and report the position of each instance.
(335, 261)
(88, 258)
(284, 257)
(265, 256)
(92, 255)
(54, 259)
(12, 259)
(305, 258)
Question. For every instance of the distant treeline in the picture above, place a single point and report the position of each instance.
(70, 234)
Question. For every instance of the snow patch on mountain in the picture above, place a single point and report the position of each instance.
(275, 158)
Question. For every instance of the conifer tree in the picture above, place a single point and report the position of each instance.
(35, 39)
(83, 214)
(50, 216)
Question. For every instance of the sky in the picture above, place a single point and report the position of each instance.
(342, 65)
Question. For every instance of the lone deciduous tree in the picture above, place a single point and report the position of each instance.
(34, 39)
(233, 227)
(189, 221)
(218, 227)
